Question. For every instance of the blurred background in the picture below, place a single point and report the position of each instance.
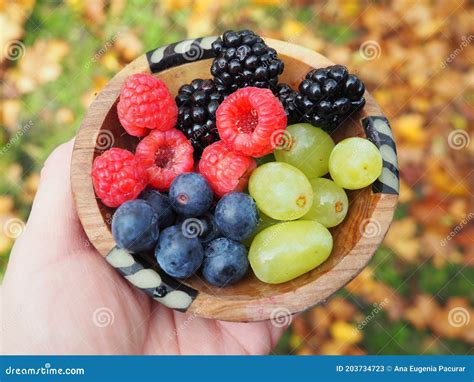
(416, 57)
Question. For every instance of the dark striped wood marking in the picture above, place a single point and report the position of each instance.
(162, 288)
(180, 53)
(378, 131)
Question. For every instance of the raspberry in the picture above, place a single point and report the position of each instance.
(165, 155)
(117, 177)
(224, 169)
(146, 103)
(249, 119)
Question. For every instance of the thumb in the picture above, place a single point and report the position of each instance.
(53, 224)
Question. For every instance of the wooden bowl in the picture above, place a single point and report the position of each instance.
(355, 240)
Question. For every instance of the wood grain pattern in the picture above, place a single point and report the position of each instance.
(250, 299)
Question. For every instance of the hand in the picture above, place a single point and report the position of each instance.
(59, 296)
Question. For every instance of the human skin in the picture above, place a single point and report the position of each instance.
(59, 296)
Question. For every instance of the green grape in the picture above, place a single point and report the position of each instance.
(355, 163)
(330, 203)
(287, 250)
(306, 147)
(281, 191)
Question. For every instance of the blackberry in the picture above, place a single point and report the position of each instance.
(329, 95)
(243, 59)
(287, 97)
(197, 104)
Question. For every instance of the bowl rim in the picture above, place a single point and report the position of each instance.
(384, 192)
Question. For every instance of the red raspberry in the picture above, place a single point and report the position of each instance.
(146, 103)
(165, 155)
(224, 169)
(248, 120)
(117, 177)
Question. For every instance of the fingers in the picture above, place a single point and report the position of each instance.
(53, 218)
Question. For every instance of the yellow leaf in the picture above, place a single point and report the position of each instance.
(11, 111)
(175, 5)
(40, 64)
(445, 182)
(341, 309)
(344, 332)
(401, 238)
(110, 61)
(409, 127)
(333, 347)
(296, 341)
(6, 204)
(64, 116)
(128, 45)
(406, 193)
(305, 351)
(269, 2)
(292, 29)
(5, 244)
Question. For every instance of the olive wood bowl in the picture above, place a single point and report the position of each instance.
(355, 239)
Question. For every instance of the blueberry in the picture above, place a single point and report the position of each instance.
(135, 226)
(190, 194)
(236, 215)
(225, 262)
(162, 205)
(178, 255)
(203, 227)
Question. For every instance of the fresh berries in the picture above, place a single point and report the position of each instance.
(228, 125)
(165, 155)
(236, 215)
(146, 103)
(287, 97)
(243, 59)
(134, 226)
(117, 177)
(162, 206)
(197, 103)
(250, 121)
(329, 95)
(225, 262)
(224, 169)
(178, 254)
(191, 195)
